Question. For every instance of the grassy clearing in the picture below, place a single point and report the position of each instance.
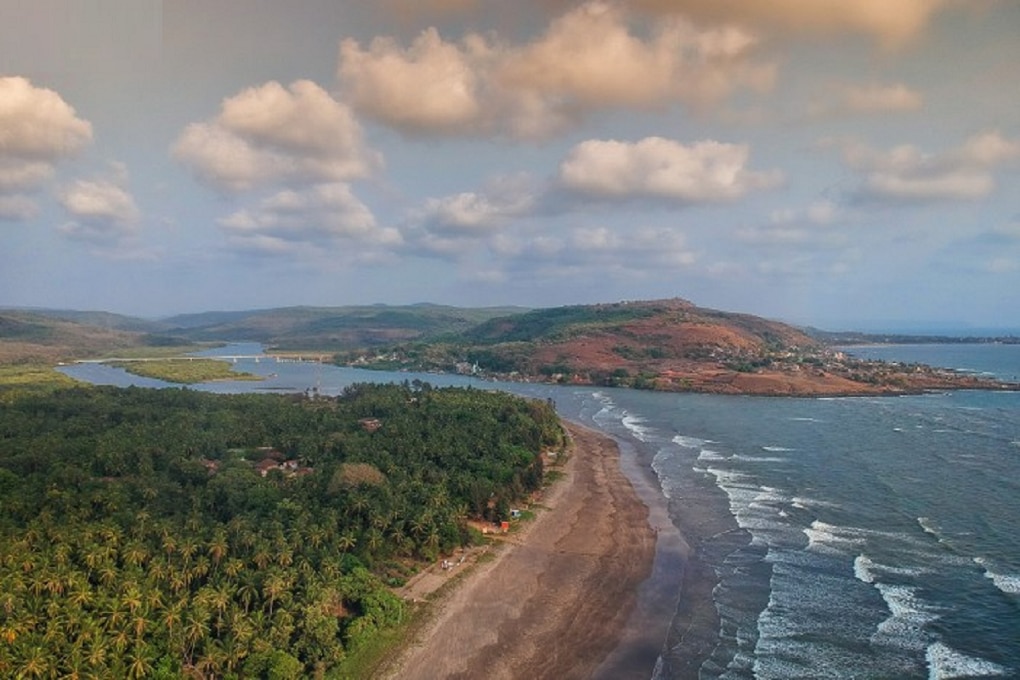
(373, 654)
(28, 378)
(184, 371)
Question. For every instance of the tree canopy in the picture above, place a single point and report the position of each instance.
(160, 533)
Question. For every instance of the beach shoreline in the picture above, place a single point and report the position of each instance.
(587, 589)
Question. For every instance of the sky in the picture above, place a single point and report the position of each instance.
(840, 164)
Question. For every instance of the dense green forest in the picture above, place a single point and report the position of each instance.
(173, 533)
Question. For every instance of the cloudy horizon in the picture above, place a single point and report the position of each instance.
(808, 160)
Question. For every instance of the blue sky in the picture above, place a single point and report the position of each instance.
(841, 164)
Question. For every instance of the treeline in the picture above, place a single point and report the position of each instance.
(139, 537)
(858, 338)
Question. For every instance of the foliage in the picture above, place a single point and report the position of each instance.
(23, 378)
(334, 328)
(139, 539)
(556, 322)
(184, 370)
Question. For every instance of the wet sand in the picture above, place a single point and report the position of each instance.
(569, 596)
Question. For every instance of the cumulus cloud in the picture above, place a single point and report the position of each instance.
(499, 202)
(431, 86)
(466, 211)
(316, 218)
(102, 211)
(891, 23)
(591, 57)
(271, 134)
(38, 129)
(503, 215)
(594, 56)
(37, 124)
(654, 167)
(905, 173)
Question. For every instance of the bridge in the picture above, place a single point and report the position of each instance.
(232, 358)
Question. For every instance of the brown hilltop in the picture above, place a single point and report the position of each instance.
(671, 345)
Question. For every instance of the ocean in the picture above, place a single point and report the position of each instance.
(850, 537)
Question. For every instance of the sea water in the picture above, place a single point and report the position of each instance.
(872, 537)
(865, 537)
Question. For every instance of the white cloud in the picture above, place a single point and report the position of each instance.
(38, 129)
(707, 171)
(102, 210)
(892, 23)
(319, 218)
(590, 58)
(272, 134)
(472, 213)
(225, 160)
(465, 212)
(430, 87)
(905, 173)
(23, 175)
(594, 56)
(37, 124)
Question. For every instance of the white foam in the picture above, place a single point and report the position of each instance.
(930, 527)
(708, 454)
(864, 568)
(1007, 583)
(635, 424)
(945, 663)
(831, 539)
(776, 449)
(869, 571)
(761, 459)
(689, 442)
(770, 494)
(804, 503)
(904, 629)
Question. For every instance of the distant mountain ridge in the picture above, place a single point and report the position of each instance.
(334, 328)
(657, 344)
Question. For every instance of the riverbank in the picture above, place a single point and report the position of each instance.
(561, 595)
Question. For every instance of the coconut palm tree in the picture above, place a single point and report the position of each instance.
(35, 663)
(139, 660)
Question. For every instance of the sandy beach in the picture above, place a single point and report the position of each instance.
(561, 599)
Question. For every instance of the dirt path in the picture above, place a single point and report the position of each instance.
(553, 604)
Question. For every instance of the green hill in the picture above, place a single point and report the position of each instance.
(334, 328)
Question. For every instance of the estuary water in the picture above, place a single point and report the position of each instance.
(850, 537)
